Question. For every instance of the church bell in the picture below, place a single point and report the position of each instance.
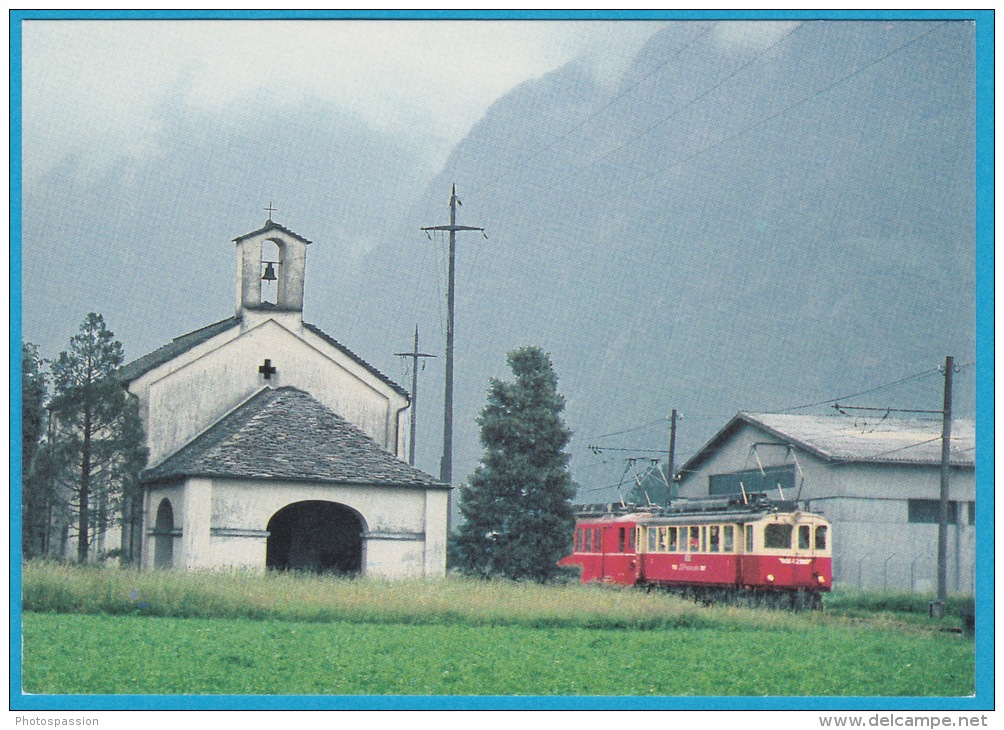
(269, 274)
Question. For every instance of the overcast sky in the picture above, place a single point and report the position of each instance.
(94, 91)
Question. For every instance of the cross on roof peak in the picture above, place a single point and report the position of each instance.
(271, 210)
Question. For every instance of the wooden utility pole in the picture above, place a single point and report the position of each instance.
(938, 610)
(446, 465)
(672, 455)
(415, 356)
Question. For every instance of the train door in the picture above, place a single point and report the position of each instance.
(747, 567)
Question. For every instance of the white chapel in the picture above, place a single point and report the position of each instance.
(271, 445)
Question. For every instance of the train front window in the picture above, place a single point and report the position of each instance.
(821, 537)
(714, 538)
(777, 536)
(727, 539)
(673, 546)
(803, 537)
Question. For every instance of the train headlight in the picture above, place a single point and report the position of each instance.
(821, 579)
(770, 577)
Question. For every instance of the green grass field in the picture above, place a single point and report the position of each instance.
(107, 631)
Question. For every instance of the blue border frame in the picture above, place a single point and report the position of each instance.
(984, 697)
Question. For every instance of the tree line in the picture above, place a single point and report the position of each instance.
(82, 449)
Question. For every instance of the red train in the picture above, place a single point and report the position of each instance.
(746, 548)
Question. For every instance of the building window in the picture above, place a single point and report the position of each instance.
(972, 513)
(753, 481)
(927, 511)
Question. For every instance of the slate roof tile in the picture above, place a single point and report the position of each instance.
(285, 434)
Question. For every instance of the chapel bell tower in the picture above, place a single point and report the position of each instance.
(270, 270)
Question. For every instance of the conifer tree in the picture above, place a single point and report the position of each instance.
(97, 443)
(517, 505)
(34, 492)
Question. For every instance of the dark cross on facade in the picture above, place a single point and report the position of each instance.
(267, 370)
(271, 210)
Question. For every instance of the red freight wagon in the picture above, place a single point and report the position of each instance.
(711, 549)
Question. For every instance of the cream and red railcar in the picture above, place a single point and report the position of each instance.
(711, 550)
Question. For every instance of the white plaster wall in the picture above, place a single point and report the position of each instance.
(395, 558)
(154, 496)
(436, 506)
(403, 538)
(188, 398)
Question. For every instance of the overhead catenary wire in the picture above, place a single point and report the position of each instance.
(907, 379)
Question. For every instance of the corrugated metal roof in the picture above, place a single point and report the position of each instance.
(285, 434)
(849, 439)
(871, 439)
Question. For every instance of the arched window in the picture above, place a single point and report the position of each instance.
(163, 530)
(270, 268)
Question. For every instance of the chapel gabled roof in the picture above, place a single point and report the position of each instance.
(178, 346)
(182, 344)
(846, 439)
(271, 225)
(285, 434)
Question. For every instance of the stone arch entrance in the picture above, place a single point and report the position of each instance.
(163, 529)
(324, 537)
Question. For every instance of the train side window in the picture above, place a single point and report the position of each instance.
(588, 541)
(727, 539)
(621, 539)
(673, 546)
(652, 533)
(749, 538)
(631, 541)
(578, 541)
(821, 537)
(662, 539)
(803, 537)
(777, 536)
(695, 539)
(598, 540)
(714, 538)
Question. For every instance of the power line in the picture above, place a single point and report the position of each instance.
(659, 67)
(786, 109)
(907, 379)
(690, 103)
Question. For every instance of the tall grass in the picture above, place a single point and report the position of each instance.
(60, 588)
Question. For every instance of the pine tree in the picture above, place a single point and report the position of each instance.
(97, 444)
(34, 492)
(517, 505)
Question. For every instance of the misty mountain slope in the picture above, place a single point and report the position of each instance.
(677, 250)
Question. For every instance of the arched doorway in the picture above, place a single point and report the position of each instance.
(324, 537)
(163, 529)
